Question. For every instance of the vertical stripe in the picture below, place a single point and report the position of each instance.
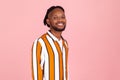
(66, 53)
(44, 60)
(56, 57)
(64, 62)
(51, 58)
(32, 63)
(60, 60)
(38, 51)
(36, 59)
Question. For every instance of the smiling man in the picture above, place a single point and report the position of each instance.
(50, 51)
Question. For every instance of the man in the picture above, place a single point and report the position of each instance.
(50, 51)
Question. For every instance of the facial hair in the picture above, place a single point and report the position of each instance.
(58, 29)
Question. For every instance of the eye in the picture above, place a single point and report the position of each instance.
(63, 17)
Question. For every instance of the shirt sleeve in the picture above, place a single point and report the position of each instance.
(37, 70)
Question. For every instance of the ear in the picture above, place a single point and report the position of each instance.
(48, 21)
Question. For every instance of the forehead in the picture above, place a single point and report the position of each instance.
(56, 11)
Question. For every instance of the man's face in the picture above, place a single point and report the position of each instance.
(56, 20)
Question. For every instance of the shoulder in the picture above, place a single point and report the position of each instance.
(65, 42)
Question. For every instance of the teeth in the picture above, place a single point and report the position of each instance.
(60, 24)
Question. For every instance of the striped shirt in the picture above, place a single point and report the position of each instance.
(49, 58)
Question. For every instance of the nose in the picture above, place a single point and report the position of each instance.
(59, 19)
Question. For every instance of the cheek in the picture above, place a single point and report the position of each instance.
(53, 22)
(65, 19)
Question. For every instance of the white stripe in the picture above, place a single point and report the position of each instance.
(45, 61)
(56, 58)
(35, 60)
(64, 59)
(64, 63)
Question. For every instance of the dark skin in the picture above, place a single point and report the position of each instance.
(57, 21)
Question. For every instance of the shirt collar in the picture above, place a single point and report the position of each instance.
(53, 37)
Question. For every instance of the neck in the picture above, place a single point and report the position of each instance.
(56, 34)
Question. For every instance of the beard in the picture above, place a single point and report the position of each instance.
(58, 29)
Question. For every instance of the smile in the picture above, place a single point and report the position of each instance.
(60, 24)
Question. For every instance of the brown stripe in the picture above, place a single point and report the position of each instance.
(60, 60)
(32, 62)
(51, 58)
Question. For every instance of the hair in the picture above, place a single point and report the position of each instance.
(48, 11)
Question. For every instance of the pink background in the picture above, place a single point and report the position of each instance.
(93, 34)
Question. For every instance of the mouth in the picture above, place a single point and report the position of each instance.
(60, 24)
